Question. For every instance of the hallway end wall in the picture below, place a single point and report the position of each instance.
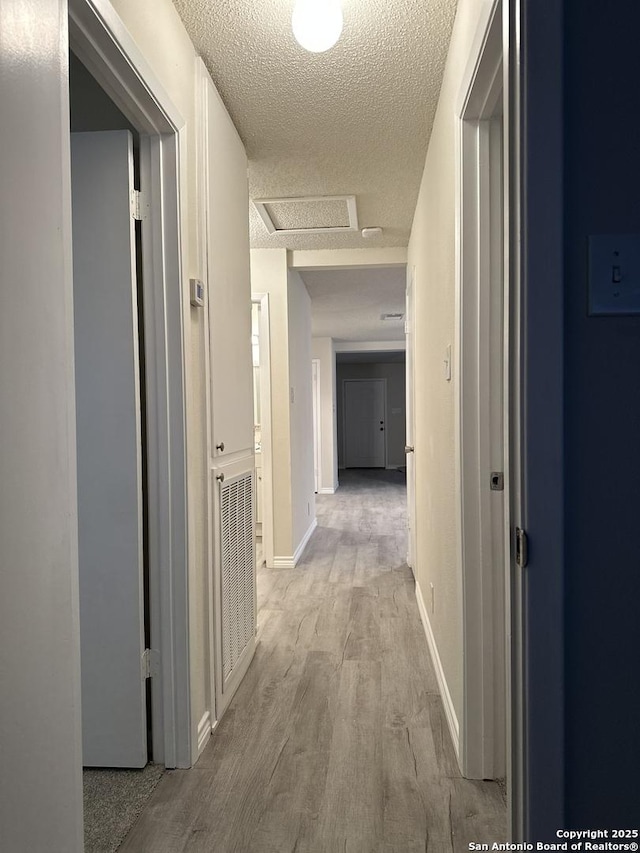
(432, 250)
(395, 414)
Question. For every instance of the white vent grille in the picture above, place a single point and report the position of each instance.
(238, 577)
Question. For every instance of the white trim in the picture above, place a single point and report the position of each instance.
(338, 259)
(204, 731)
(317, 424)
(292, 562)
(100, 39)
(266, 426)
(447, 702)
(371, 346)
(327, 490)
(480, 515)
(202, 183)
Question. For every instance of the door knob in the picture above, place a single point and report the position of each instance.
(220, 447)
(408, 448)
(220, 478)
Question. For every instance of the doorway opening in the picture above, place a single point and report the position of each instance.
(371, 409)
(126, 123)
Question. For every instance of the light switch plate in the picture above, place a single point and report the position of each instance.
(614, 274)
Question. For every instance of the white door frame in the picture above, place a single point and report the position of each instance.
(410, 431)
(262, 299)
(100, 39)
(479, 402)
(317, 423)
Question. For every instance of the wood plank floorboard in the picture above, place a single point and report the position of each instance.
(336, 741)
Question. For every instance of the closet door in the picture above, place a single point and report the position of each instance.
(108, 419)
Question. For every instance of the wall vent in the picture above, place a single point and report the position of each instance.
(308, 214)
(237, 575)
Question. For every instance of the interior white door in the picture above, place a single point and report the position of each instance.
(364, 423)
(315, 368)
(409, 428)
(110, 542)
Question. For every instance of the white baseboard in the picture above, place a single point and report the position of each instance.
(204, 731)
(326, 490)
(449, 710)
(292, 562)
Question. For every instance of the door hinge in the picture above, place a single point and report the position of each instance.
(522, 548)
(150, 663)
(136, 205)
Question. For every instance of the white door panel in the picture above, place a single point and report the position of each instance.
(109, 451)
(229, 282)
(364, 423)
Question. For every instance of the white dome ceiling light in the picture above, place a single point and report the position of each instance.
(317, 24)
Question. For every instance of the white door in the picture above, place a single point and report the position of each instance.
(109, 451)
(364, 423)
(409, 429)
(315, 367)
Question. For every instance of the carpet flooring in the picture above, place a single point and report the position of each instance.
(113, 800)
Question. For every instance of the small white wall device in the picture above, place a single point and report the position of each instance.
(197, 292)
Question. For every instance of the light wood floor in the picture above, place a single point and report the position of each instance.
(336, 741)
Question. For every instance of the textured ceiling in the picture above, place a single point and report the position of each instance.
(346, 304)
(354, 120)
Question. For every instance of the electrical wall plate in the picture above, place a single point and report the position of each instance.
(197, 292)
(614, 274)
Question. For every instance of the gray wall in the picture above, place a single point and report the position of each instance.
(91, 108)
(602, 381)
(396, 399)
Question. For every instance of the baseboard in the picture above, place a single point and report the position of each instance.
(449, 710)
(204, 731)
(292, 562)
(326, 490)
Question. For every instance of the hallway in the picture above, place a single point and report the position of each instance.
(336, 739)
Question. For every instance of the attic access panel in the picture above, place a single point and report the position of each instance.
(308, 214)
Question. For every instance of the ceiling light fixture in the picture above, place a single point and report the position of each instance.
(317, 24)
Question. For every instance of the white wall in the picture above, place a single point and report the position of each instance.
(269, 275)
(432, 251)
(40, 731)
(291, 421)
(301, 409)
(395, 421)
(323, 350)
